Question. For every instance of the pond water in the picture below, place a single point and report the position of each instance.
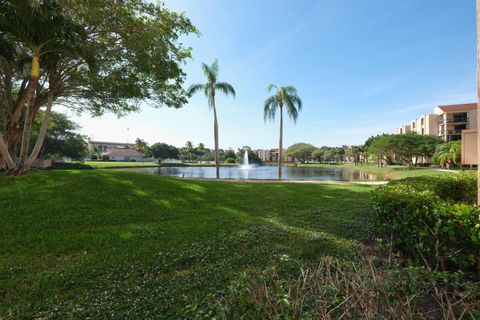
(258, 172)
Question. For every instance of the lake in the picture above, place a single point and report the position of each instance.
(258, 173)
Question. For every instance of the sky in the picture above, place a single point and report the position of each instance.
(361, 67)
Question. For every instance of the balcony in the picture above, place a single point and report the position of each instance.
(455, 132)
(453, 121)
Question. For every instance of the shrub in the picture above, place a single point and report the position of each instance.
(230, 160)
(419, 218)
(459, 187)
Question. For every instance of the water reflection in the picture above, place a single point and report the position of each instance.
(261, 172)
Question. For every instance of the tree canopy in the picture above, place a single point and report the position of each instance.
(107, 56)
(300, 151)
(404, 148)
(62, 139)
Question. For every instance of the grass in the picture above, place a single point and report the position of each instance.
(110, 244)
(119, 164)
(388, 173)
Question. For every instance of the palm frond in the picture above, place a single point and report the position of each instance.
(194, 88)
(226, 88)
(291, 90)
(211, 71)
(291, 108)
(271, 86)
(269, 108)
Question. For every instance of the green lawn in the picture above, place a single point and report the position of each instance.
(388, 172)
(118, 164)
(109, 244)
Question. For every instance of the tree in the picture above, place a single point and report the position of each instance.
(318, 154)
(31, 31)
(209, 89)
(132, 56)
(162, 151)
(448, 154)
(329, 155)
(62, 139)
(188, 151)
(141, 146)
(404, 148)
(252, 155)
(283, 96)
(300, 151)
(200, 150)
(229, 154)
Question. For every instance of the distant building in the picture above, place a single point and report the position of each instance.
(403, 129)
(271, 155)
(102, 146)
(425, 125)
(446, 122)
(453, 119)
(123, 155)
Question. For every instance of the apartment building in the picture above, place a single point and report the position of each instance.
(425, 125)
(446, 122)
(453, 119)
(403, 129)
(271, 155)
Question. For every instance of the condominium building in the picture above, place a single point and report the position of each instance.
(403, 129)
(271, 155)
(446, 122)
(425, 125)
(453, 119)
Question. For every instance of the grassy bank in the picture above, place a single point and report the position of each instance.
(109, 244)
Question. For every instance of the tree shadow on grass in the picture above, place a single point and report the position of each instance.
(155, 240)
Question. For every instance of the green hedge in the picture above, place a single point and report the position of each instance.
(458, 187)
(420, 218)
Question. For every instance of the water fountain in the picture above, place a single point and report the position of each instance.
(246, 164)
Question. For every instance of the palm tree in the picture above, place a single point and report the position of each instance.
(209, 89)
(448, 154)
(189, 150)
(283, 96)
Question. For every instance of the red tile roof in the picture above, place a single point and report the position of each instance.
(458, 107)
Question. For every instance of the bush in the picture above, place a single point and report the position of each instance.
(459, 187)
(230, 160)
(419, 218)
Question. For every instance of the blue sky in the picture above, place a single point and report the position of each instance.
(361, 67)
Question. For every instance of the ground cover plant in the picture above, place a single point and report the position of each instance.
(104, 243)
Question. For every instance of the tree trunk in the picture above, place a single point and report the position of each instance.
(478, 101)
(215, 135)
(42, 134)
(35, 74)
(280, 144)
(5, 154)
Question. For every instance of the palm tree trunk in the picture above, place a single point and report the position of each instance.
(280, 144)
(478, 102)
(215, 135)
(42, 134)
